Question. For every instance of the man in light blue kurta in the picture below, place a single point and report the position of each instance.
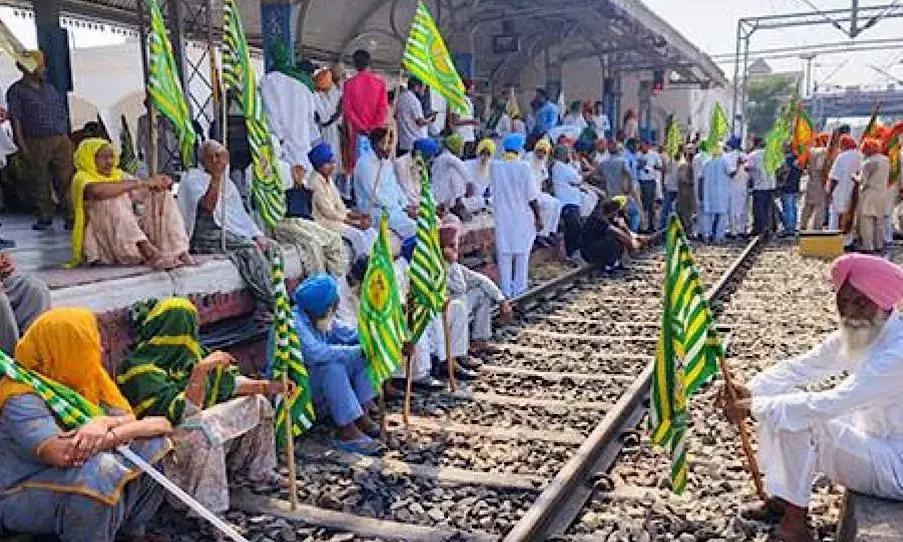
(716, 178)
(376, 187)
(335, 361)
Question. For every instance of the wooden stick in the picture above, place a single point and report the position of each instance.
(224, 135)
(382, 415)
(289, 445)
(448, 353)
(408, 385)
(744, 435)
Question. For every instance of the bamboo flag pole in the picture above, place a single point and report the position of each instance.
(744, 435)
(289, 444)
(408, 385)
(224, 131)
(154, 136)
(187, 499)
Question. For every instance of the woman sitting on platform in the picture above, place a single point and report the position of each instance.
(224, 421)
(73, 484)
(107, 230)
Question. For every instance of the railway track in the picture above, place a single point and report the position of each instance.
(545, 444)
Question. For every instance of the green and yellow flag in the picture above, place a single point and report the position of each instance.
(427, 58)
(687, 355)
(70, 408)
(673, 138)
(719, 127)
(164, 86)
(299, 408)
(427, 270)
(238, 75)
(380, 320)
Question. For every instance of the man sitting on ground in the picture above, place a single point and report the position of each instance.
(853, 432)
(200, 205)
(23, 299)
(470, 296)
(450, 177)
(335, 361)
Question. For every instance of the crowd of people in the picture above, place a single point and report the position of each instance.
(354, 149)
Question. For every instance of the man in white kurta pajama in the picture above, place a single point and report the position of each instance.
(517, 217)
(716, 187)
(549, 205)
(739, 194)
(853, 432)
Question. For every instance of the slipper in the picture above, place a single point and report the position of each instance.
(363, 446)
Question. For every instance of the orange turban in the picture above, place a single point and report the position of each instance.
(871, 146)
(323, 79)
(823, 139)
(847, 142)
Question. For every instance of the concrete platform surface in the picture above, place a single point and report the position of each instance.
(869, 519)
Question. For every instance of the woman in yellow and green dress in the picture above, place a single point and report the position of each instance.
(223, 421)
(73, 484)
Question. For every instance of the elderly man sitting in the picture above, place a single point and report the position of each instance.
(852, 432)
(336, 363)
(376, 187)
(470, 297)
(200, 204)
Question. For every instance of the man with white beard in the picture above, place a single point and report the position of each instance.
(853, 432)
(549, 205)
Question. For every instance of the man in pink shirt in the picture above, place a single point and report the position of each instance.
(365, 103)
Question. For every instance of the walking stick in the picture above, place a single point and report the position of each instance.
(289, 444)
(744, 435)
(448, 354)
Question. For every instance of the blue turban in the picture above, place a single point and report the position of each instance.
(427, 146)
(317, 294)
(407, 248)
(514, 142)
(733, 143)
(584, 145)
(320, 155)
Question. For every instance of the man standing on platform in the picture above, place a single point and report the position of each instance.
(466, 125)
(41, 128)
(412, 123)
(546, 113)
(853, 432)
(815, 198)
(365, 104)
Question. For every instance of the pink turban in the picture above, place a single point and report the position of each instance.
(876, 278)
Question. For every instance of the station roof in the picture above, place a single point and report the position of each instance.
(624, 32)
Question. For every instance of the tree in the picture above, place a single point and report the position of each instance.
(765, 96)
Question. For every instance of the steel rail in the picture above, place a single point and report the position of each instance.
(554, 510)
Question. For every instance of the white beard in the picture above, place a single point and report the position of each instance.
(484, 169)
(857, 336)
(324, 325)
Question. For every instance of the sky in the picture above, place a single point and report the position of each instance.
(712, 26)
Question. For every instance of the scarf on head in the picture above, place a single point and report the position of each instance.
(63, 345)
(282, 62)
(86, 173)
(155, 375)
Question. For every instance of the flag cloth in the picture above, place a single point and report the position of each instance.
(687, 354)
(775, 139)
(68, 406)
(673, 138)
(380, 320)
(164, 86)
(870, 128)
(427, 58)
(128, 160)
(266, 187)
(427, 270)
(719, 127)
(891, 145)
(287, 357)
(803, 134)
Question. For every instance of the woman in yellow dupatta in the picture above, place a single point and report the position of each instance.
(45, 469)
(106, 228)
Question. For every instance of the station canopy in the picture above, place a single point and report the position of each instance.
(506, 34)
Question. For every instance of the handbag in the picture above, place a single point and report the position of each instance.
(298, 203)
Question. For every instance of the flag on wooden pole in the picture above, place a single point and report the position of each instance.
(719, 127)
(238, 75)
(287, 358)
(128, 160)
(427, 270)
(688, 351)
(164, 86)
(381, 321)
(427, 58)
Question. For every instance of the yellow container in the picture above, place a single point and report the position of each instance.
(826, 245)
